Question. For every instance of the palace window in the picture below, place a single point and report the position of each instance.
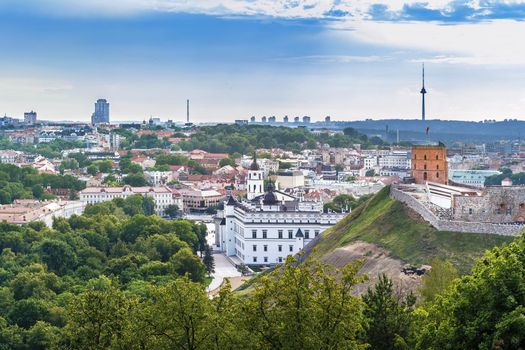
(254, 233)
(280, 233)
(254, 247)
(290, 234)
(265, 233)
(280, 248)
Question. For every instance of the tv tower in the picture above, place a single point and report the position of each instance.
(188, 111)
(423, 92)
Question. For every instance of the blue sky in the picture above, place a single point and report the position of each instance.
(237, 58)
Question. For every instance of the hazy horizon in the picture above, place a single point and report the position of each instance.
(234, 59)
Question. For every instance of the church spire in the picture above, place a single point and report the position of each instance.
(254, 165)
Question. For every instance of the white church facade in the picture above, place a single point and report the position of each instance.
(270, 225)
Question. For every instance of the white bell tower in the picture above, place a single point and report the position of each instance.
(255, 182)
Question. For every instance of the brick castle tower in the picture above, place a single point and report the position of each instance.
(429, 163)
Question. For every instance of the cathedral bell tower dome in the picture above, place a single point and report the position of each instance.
(255, 182)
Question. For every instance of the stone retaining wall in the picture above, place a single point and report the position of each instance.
(456, 226)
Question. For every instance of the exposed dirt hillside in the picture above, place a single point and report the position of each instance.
(376, 261)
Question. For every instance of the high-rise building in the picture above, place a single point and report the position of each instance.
(30, 118)
(101, 114)
(285, 119)
(306, 119)
(113, 141)
(327, 119)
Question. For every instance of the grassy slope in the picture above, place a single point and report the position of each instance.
(391, 225)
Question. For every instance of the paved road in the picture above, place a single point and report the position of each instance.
(223, 268)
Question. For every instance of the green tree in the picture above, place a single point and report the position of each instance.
(227, 161)
(185, 262)
(5, 197)
(135, 180)
(483, 310)
(305, 307)
(105, 166)
(172, 210)
(284, 165)
(42, 336)
(92, 169)
(57, 255)
(351, 132)
(178, 316)
(148, 205)
(26, 312)
(97, 319)
(38, 191)
(370, 172)
(209, 260)
(389, 316)
(82, 160)
(438, 279)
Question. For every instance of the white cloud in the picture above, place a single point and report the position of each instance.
(491, 43)
(488, 42)
(272, 8)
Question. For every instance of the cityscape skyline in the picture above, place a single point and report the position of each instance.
(238, 59)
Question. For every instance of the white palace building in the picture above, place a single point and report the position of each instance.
(162, 196)
(269, 226)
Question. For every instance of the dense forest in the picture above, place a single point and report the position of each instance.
(51, 149)
(117, 278)
(244, 139)
(26, 182)
(114, 249)
(239, 139)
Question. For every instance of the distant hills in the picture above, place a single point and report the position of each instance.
(444, 130)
